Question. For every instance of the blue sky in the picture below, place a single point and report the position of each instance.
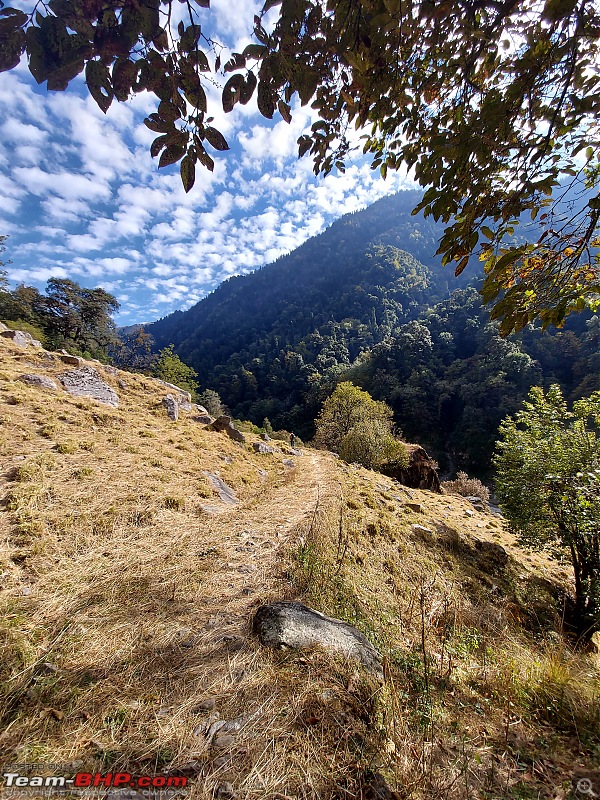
(80, 196)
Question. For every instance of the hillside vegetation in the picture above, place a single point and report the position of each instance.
(368, 301)
(128, 590)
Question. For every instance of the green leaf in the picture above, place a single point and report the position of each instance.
(285, 111)
(12, 47)
(124, 75)
(188, 172)
(215, 138)
(256, 51)
(168, 111)
(237, 61)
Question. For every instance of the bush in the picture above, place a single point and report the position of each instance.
(371, 444)
(359, 428)
(467, 487)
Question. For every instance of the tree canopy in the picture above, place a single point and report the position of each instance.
(495, 104)
(67, 315)
(548, 483)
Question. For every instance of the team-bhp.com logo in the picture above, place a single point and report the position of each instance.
(92, 780)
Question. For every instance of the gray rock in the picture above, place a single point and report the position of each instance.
(421, 529)
(19, 338)
(171, 407)
(478, 504)
(184, 399)
(203, 419)
(224, 423)
(416, 507)
(3, 327)
(200, 409)
(110, 369)
(265, 437)
(225, 492)
(86, 382)
(122, 384)
(295, 625)
(38, 380)
(287, 462)
(74, 361)
(261, 447)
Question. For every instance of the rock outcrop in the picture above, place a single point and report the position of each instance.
(171, 406)
(38, 380)
(86, 382)
(184, 399)
(20, 338)
(224, 423)
(294, 625)
(261, 447)
(421, 472)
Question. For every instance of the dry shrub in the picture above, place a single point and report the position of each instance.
(467, 487)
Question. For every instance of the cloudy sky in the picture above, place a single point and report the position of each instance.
(80, 196)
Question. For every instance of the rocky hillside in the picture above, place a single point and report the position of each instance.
(136, 551)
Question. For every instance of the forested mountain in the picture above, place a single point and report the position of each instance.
(367, 300)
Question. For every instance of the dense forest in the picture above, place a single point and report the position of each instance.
(368, 301)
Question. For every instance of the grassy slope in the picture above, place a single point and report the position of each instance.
(126, 606)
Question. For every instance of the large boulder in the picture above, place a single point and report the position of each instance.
(261, 447)
(224, 423)
(86, 382)
(184, 399)
(421, 472)
(38, 380)
(294, 625)
(20, 338)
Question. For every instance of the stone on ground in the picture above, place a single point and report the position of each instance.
(86, 382)
(295, 625)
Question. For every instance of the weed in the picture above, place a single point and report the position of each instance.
(67, 448)
(173, 503)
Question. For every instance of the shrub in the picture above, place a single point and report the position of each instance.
(467, 487)
(371, 444)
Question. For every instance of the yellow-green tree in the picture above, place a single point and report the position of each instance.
(359, 428)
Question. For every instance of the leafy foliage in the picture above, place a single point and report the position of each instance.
(211, 402)
(467, 487)
(349, 304)
(68, 315)
(493, 105)
(132, 349)
(359, 428)
(169, 367)
(548, 482)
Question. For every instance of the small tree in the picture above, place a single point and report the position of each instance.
(346, 407)
(169, 367)
(359, 428)
(548, 483)
(212, 402)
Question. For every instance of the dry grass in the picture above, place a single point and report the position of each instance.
(128, 589)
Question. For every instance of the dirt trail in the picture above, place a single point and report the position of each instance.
(248, 539)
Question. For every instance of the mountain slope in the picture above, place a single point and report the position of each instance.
(127, 605)
(278, 333)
